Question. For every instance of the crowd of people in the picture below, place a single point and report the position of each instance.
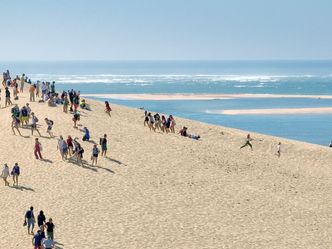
(156, 122)
(40, 239)
(69, 148)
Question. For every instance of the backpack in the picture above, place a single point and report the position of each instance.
(36, 119)
(24, 112)
(51, 121)
(28, 214)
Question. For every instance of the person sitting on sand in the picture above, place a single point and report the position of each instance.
(29, 220)
(49, 124)
(108, 109)
(84, 105)
(86, 136)
(94, 156)
(34, 121)
(76, 117)
(193, 136)
(103, 144)
(5, 173)
(51, 102)
(330, 145)
(183, 131)
(247, 143)
(38, 149)
(15, 173)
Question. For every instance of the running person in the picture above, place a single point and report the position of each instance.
(108, 109)
(247, 143)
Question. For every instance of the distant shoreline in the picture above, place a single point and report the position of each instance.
(200, 96)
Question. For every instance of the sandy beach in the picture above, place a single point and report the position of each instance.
(201, 96)
(166, 191)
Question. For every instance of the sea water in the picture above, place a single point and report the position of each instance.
(205, 77)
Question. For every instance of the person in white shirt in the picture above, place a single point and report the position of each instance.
(48, 243)
(279, 149)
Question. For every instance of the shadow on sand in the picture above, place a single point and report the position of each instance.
(82, 164)
(22, 188)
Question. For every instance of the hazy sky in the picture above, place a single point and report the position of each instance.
(165, 29)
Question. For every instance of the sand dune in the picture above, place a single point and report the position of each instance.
(167, 191)
(318, 110)
(201, 96)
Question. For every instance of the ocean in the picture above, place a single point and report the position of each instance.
(205, 77)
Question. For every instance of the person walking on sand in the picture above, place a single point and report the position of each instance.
(34, 121)
(29, 219)
(37, 88)
(78, 151)
(279, 149)
(108, 109)
(8, 102)
(22, 81)
(76, 117)
(173, 123)
(37, 240)
(70, 146)
(63, 148)
(38, 149)
(49, 126)
(95, 153)
(50, 229)
(5, 173)
(247, 143)
(103, 144)
(15, 125)
(32, 89)
(65, 104)
(16, 173)
(48, 243)
(41, 218)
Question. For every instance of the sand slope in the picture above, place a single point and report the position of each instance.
(167, 191)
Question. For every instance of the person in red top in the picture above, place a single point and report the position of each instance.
(70, 146)
(38, 148)
(108, 108)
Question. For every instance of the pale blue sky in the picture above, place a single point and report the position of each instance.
(165, 29)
